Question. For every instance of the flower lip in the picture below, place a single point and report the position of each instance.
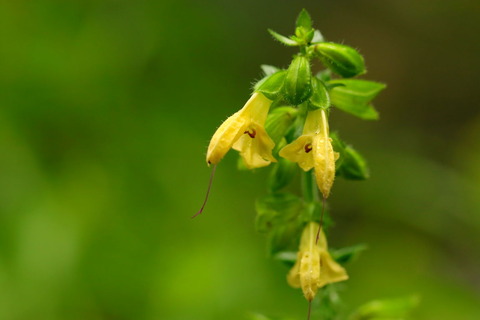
(313, 149)
(314, 267)
(244, 131)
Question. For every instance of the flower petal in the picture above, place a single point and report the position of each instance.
(228, 132)
(300, 151)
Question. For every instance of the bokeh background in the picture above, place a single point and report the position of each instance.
(106, 109)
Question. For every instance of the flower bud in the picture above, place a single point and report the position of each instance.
(297, 87)
(341, 59)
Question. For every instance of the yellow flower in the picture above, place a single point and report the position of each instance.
(314, 267)
(244, 131)
(313, 149)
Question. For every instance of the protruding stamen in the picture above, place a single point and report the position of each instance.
(308, 148)
(251, 132)
(321, 220)
(208, 192)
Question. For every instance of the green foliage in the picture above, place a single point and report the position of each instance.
(279, 121)
(389, 309)
(347, 254)
(354, 96)
(304, 20)
(282, 39)
(351, 164)
(271, 86)
(320, 97)
(281, 175)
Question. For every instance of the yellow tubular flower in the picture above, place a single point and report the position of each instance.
(245, 132)
(313, 149)
(314, 267)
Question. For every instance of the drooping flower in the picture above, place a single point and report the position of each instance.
(313, 149)
(244, 131)
(315, 266)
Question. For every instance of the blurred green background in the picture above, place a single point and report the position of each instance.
(106, 110)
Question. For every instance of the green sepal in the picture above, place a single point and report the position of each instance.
(304, 20)
(320, 98)
(282, 39)
(386, 309)
(268, 70)
(350, 165)
(341, 59)
(272, 85)
(279, 121)
(297, 87)
(281, 175)
(347, 254)
(354, 96)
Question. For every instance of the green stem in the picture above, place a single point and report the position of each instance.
(307, 181)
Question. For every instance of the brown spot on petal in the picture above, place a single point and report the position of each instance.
(308, 148)
(251, 133)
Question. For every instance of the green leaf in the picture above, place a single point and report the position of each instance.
(279, 121)
(272, 85)
(284, 237)
(317, 37)
(276, 209)
(325, 75)
(268, 70)
(341, 59)
(353, 96)
(286, 256)
(354, 166)
(297, 87)
(320, 98)
(281, 174)
(347, 254)
(387, 309)
(282, 39)
(304, 20)
(350, 164)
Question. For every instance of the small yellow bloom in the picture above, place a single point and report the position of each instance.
(244, 131)
(314, 267)
(313, 149)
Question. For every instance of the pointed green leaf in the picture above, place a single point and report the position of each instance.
(354, 96)
(354, 166)
(272, 85)
(347, 254)
(298, 87)
(320, 98)
(341, 59)
(281, 175)
(304, 20)
(276, 209)
(386, 309)
(317, 37)
(350, 164)
(282, 39)
(279, 121)
(268, 70)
